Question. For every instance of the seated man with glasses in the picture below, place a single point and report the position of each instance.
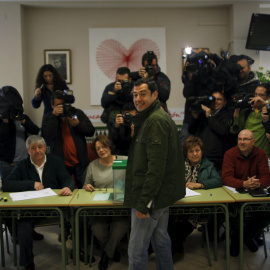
(254, 118)
(246, 165)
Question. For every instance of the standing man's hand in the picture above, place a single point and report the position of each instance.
(141, 215)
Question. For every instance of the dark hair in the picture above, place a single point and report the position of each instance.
(163, 105)
(152, 86)
(105, 140)
(123, 71)
(266, 86)
(220, 92)
(56, 95)
(145, 56)
(129, 107)
(191, 142)
(57, 80)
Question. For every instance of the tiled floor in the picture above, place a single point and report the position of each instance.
(48, 255)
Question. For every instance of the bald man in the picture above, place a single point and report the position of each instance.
(246, 165)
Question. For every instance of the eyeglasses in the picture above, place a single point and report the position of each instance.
(260, 95)
(244, 139)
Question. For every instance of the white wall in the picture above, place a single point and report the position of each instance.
(68, 29)
(11, 46)
(31, 30)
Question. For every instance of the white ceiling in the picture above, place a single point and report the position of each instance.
(127, 3)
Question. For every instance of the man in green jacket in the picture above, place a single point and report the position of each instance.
(154, 178)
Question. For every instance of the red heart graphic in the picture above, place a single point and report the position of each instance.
(111, 55)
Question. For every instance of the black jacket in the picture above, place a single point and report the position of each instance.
(8, 137)
(215, 134)
(52, 130)
(24, 176)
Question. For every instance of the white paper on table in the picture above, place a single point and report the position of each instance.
(102, 197)
(232, 189)
(26, 195)
(190, 193)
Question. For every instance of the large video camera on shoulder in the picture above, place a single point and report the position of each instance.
(11, 104)
(69, 98)
(197, 101)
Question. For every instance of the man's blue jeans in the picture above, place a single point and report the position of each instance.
(152, 229)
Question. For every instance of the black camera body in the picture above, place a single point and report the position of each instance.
(197, 101)
(68, 97)
(149, 68)
(242, 101)
(126, 87)
(127, 119)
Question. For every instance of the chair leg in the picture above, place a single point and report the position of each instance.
(2, 245)
(205, 231)
(91, 249)
(264, 244)
(85, 239)
(6, 235)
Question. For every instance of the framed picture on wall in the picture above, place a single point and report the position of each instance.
(61, 60)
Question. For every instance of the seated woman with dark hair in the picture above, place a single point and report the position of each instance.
(199, 173)
(108, 230)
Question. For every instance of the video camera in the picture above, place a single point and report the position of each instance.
(197, 101)
(242, 100)
(149, 68)
(11, 104)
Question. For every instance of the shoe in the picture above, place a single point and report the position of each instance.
(67, 233)
(252, 245)
(30, 267)
(234, 247)
(104, 261)
(82, 256)
(37, 236)
(259, 238)
(117, 256)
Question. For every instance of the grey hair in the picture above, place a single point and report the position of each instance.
(34, 139)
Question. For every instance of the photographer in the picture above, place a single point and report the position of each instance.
(115, 95)
(65, 128)
(122, 132)
(197, 78)
(253, 118)
(151, 69)
(212, 125)
(14, 129)
(247, 79)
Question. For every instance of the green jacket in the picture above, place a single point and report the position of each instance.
(208, 175)
(155, 168)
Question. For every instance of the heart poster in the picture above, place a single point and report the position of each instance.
(111, 48)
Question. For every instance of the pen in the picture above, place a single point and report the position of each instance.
(78, 196)
(1, 199)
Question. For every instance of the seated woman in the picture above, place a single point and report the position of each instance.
(108, 230)
(199, 173)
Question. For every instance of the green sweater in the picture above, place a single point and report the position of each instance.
(253, 122)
